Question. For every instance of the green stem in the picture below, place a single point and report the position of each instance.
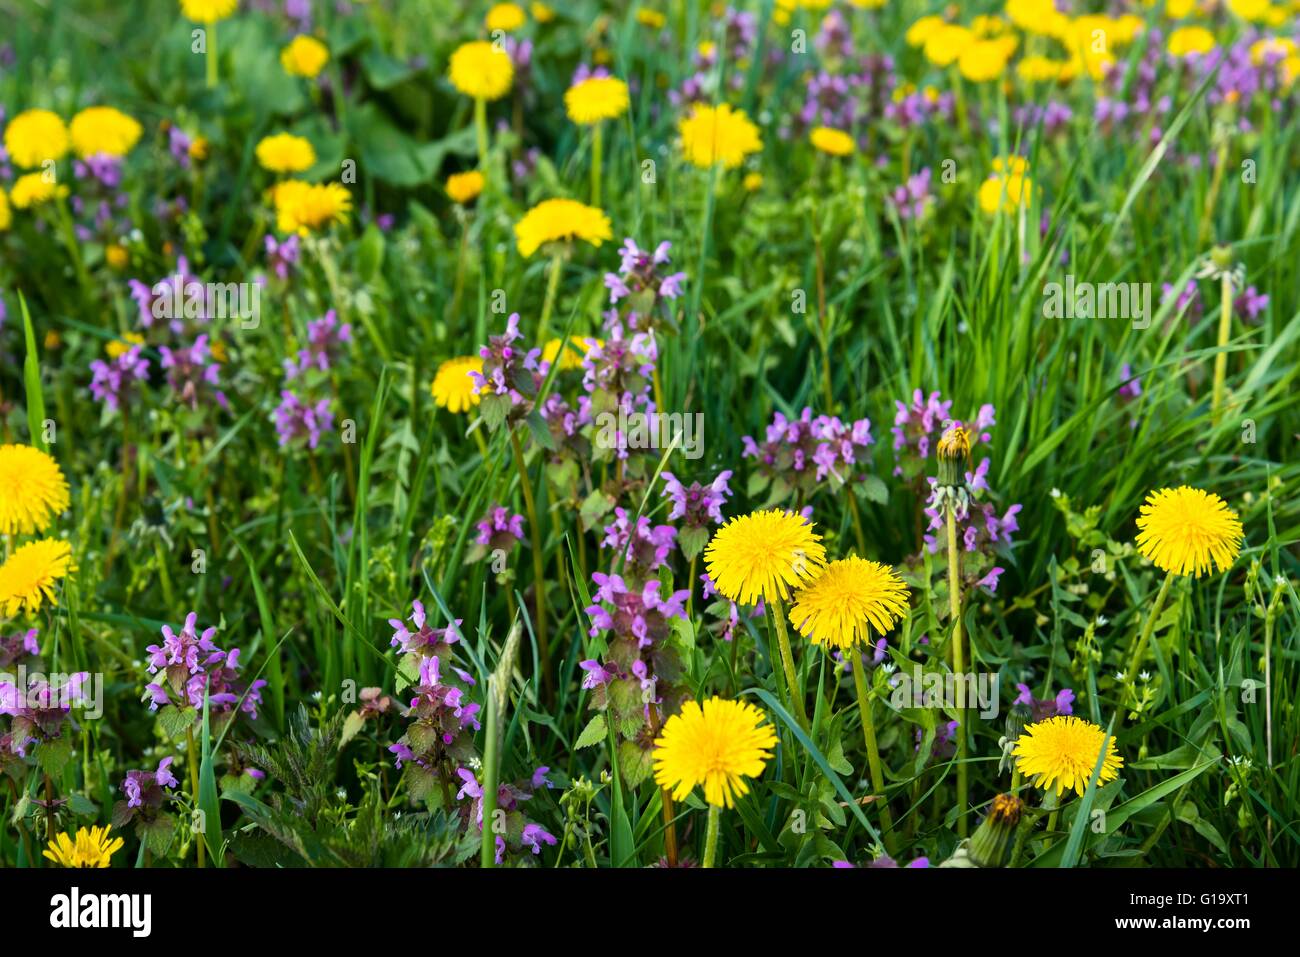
(873, 750)
(552, 287)
(193, 760)
(711, 836)
(481, 133)
(539, 583)
(211, 55)
(1140, 648)
(787, 662)
(488, 843)
(958, 667)
(1221, 359)
(597, 150)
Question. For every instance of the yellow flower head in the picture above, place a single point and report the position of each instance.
(103, 131)
(541, 12)
(986, 60)
(208, 11)
(34, 189)
(717, 745)
(1038, 17)
(763, 555)
(120, 347)
(304, 56)
(1007, 187)
(1060, 754)
(946, 44)
(28, 578)
(1036, 68)
(6, 214)
(752, 182)
(453, 389)
(595, 99)
(1256, 11)
(32, 490)
(847, 600)
(574, 351)
(921, 31)
(561, 220)
(955, 444)
(831, 141)
(285, 153)
(651, 18)
(464, 188)
(1177, 9)
(302, 207)
(718, 135)
(34, 136)
(1188, 40)
(480, 70)
(1276, 48)
(91, 848)
(1187, 531)
(505, 16)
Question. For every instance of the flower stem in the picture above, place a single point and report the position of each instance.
(787, 662)
(539, 583)
(193, 759)
(873, 751)
(552, 287)
(597, 154)
(958, 667)
(481, 133)
(1221, 359)
(210, 59)
(669, 812)
(711, 836)
(1140, 649)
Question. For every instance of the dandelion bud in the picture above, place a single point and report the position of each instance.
(992, 843)
(954, 456)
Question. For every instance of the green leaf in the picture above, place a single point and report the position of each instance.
(592, 733)
(32, 382)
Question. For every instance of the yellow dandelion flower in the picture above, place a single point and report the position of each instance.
(464, 188)
(986, 60)
(1276, 48)
(1005, 192)
(93, 848)
(1256, 11)
(921, 31)
(6, 214)
(763, 555)
(480, 70)
(453, 389)
(986, 25)
(505, 16)
(561, 220)
(208, 11)
(103, 131)
(1060, 754)
(28, 578)
(955, 444)
(595, 99)
(717, 745)
(1188, 40)
(285, 153)
(32, 490)
(830, 141)
(868, 4)
(752, 182)
(34, 189)
(1186, 530)
(575, 350)
(116, 256)
(304, 56)
(651, 18)
(718, 135)
(302, 207)
(946, 44)
(541, 12)
(1037, 68)
(35, 136)
(846, 600)
(1177, 9)
(119, 347)
(1038, 17)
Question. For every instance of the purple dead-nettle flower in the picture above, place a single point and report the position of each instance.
(178, 144)
(913, 198)
(112, 380)
(509, 372)
(979, 527)
(103, 169)
(597, 674)
(618, 375)
(990, 580)
(642, 546)
(644, 282)
(520, 835)
(806, 452)
(534, 835)
(945, 741)
(1131, 387)
(296, 420)
(326, 337)
(698, 504)
(146, 788)
(500, 528)
(282, 256)
(1250, 303)
(18, 649)
(192, 377)
(1043, 708)
(39, 711)
(189, 665)
(425, 641)
(1187, 299)
(184, 650)
(441, 718)
(225, 689)
(640, 615)
(170, 297)
(918, 107)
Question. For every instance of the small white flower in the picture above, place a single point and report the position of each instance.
(1119, 676)
(1102, 621)
(1056, 493)
(1145, 676)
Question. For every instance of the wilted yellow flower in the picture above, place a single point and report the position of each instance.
(208, 11)
(28, 577)
(464, 188)
(763, 555)
(561, 220)
(91, 848)
(453, 389)
(285, 153)
(833, 142)
(718, 135)
(480, 70)
(34, 136)
(1188, 531)
(505, 16)
(304, 56)
(846, 600)
(595, 99)
(302, 207)
(718, 746)
(32, 490)
(1187, 40)
(1060, 754)
(34, 189)
(103, 131)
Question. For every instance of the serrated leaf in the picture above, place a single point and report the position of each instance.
(593, 733)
